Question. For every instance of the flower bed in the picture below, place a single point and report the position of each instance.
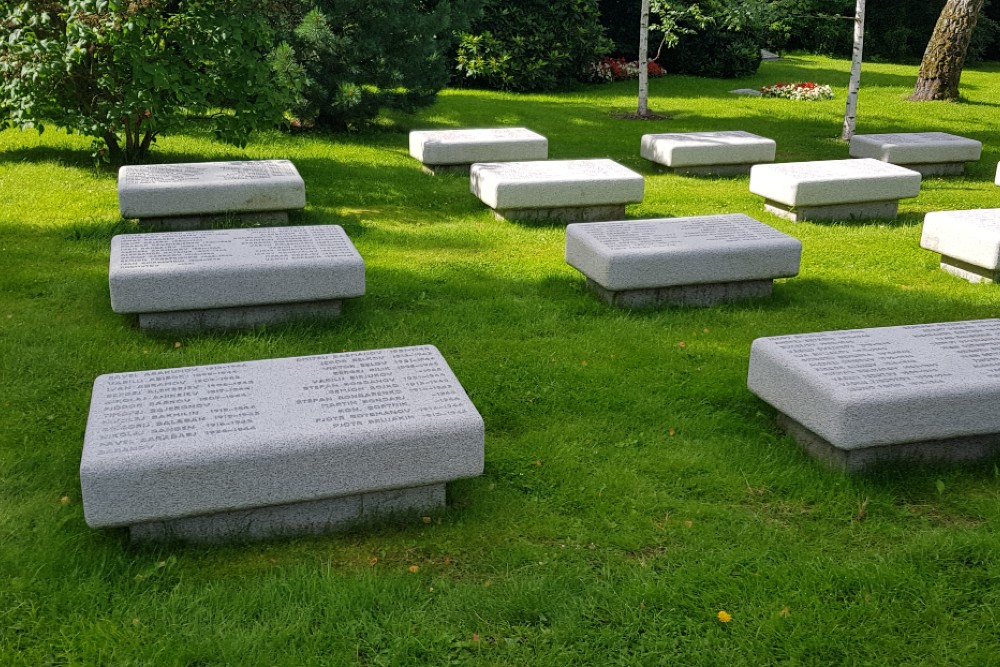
(618, 69)
(805, 90)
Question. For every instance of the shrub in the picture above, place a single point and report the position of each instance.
(716, 53)
(357, 57)
(531, 45)
(125, 73)
(805, 90)
(617, 69)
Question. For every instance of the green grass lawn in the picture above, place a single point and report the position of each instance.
(633, 486)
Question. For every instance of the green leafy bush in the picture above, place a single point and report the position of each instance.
(356, 57)
(127, 72)
(532, 45)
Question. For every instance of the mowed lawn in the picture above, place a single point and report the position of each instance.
(633, 487)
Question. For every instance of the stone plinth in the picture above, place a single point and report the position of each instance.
(567, 190)
(968, 241)
(930, 153)
(456, 150)
(233, 277)
(708, 153)
(182, 195)
(857, 397)
(833, 189)
(700, 260)
(279, 446)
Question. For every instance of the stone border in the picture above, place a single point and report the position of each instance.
(238, 317)
(565, 214)
(859, 211)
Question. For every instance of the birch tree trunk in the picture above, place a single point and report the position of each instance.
(643, 107)
(941, 67)
(851, 110)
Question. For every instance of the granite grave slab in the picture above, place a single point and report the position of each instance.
(231, 278)
(558, 190)
(708, 153)
(274, 447)
(833, 189)
(190, 195)
(701, 261)
(968, 241)
(906, 393)
(443, 151)
(930, 153)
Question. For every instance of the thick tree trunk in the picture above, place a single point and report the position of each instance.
(642, 109)
(941, 67)
(851, 110)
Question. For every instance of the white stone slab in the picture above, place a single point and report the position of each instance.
(830, 182)
(694, 149)
(915, 147)
(506, 144)
(997, 179)
(175, 271)
(195, 441)
(206, 188)
(972, 236)
(639, 254)
(874, 387)
(555, 184)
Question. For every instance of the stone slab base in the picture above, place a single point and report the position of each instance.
(938, 168)
(970, 272)
(861, 210)
(240, 317)
(684, 295)
(563, 214)
(190, 222)
(712, 170)
(436, 169)
(308, 518)
(952, 450)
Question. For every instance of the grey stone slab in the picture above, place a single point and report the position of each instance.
(175, 443)
(914, 148)
(885, 386)
(833, 182)
(198, 188)
(463, 147)
(664, 252)
(241, 317)
(555, 184)
(701, 149)
(971, 237)
(703, 295)
(878, 210)
(308, 518)
(564, 214)
(184, 271)
(746, 92)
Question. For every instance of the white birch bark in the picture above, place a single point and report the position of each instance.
(851, 110)
(643, 107)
